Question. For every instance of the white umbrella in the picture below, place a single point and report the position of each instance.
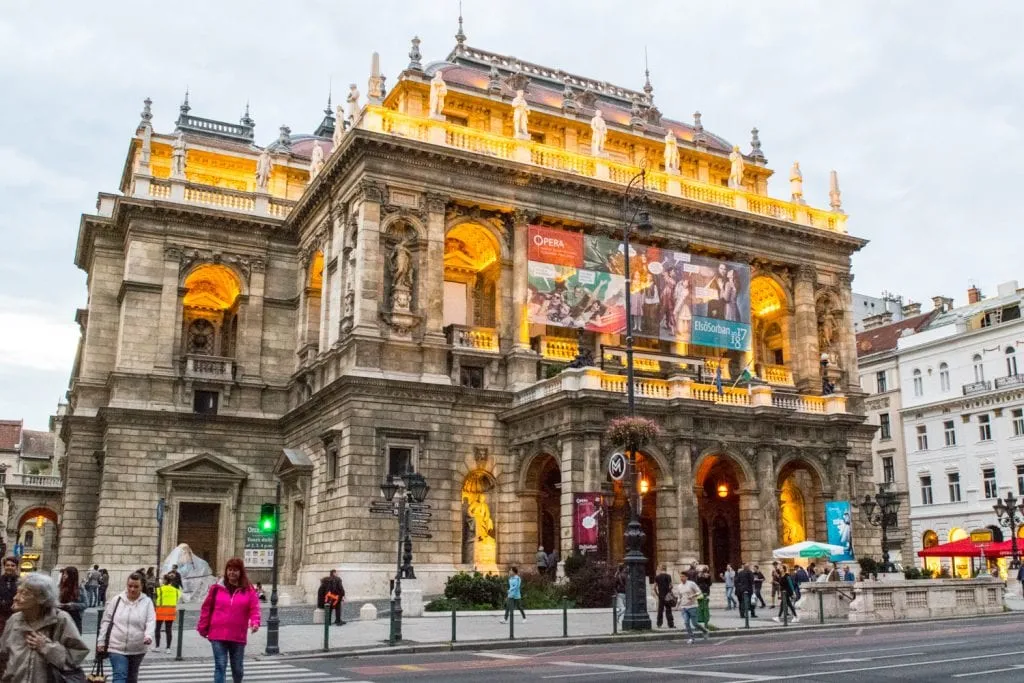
(807, 549)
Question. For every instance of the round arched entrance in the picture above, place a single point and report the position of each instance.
(648, 477)
(544, 479)
(930, 539)
(718, 480)
(801, 504)
(37, 534)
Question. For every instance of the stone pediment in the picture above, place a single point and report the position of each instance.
(293, 462)
(204, 467)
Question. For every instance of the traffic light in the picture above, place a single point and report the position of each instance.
(268, 518)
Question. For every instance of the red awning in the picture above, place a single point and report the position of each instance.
(965, 547)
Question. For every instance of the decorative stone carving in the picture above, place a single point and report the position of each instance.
(835, 198)
(373, 190)
(755, 146)
(375, 85)
(438, 91)
(188, 258)
(400, 262)
(435, 202)
(671, 153)
(518, 80)
(339, 127)
(806, 273)
(599, 133)
(736, 168)
(316, 162)
(178, 157)
(796, 183)
(587, 98)
(414, 56)
(263, 168)
(494, 80)
(520, 117)
(353, 103)
(569, 103)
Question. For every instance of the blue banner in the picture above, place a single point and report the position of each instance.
(840, 528)
(723, 334)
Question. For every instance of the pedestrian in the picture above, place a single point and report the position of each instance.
(787, 591)
(729, 576)
(92, 586)
(151, 582)
(800, 577)
(71, 599)
(833, 573)
(175, 576)
(553, 564)
(621, 579)
(514, 599)
(329, 596)
(260, 593)
(775, 581)
(101, 597)
(542, 562)
(8, 588)
(687, 593)
(39, 636)
(1020, 576)
(167, 597)
(758, 584)
(744, 585)
(666, 598)
(229, 613)
(848, 575)
(128, 625)
(703, 580)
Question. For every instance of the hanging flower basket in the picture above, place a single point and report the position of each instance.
(632, 432)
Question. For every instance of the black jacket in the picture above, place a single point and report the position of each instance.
(744, 581)
(664, 583)
(8, 587)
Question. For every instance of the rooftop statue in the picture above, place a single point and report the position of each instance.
(178, 157)
(339, 126)
(263, 167)
(671, 153)
(520, 116)
(736, 168)
(438, 91)
(599, 130)
(316, 161)
(796, 183)
(353, 103)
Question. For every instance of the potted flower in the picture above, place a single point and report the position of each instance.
(632, 433)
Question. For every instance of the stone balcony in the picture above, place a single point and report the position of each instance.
(444, 133)
(175, 190)
(36, 482)
(484, 339)
(977, 387)
(755, 396)
(208, 368)
(1009, 381)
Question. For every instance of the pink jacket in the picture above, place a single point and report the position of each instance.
(228, 616)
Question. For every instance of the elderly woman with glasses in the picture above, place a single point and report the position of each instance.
(38, 636)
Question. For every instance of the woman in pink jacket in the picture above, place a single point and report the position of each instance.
(230, 612)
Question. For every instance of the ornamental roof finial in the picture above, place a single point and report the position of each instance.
(648, 88)
(184, 109)
(284, 139)
(246, 119)
(460, 37)
(755, 146)
(835, 198)
(147, 113)
(415, 56)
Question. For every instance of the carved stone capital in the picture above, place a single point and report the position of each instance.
(173, 252)
(806, 274)
(436, 202)
(521, 217)
(845, 280)
(372, 190)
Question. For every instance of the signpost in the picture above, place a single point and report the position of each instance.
(160, 505)
(617, 465)
(259, 548)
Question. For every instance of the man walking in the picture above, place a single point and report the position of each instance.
(666, 598)
(542, 562)
(729, 576)
(621, 579)
(775, 582)
(688, 594)
(338, 590)
(758, 583)
(787, 591)
(744, 584)
(515, 595)
(1020, 578)
(92, 586)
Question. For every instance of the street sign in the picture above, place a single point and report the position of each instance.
(421, 536)
(418, 507)
(617, 465)
(418, 527)
(259, 548)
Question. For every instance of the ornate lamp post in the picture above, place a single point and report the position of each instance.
(1010, 514)
(411, 488)
(882, 512)
(634, 215)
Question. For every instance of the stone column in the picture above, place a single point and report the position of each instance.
(768, 504)
(432, 268)
(594, 472)
(687, 510)
(170, 302)
(369, 275)
(519, 280)
(804, 342)
(846, 336)
(571, 467)
(750, 521)
(326, 335)
(250, 346)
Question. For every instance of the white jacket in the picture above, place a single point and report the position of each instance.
(133, 623)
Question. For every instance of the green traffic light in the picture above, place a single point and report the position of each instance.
(268, 518)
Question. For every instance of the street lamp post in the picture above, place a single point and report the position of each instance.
(1011, 515)
(882, 512)
(634, 214)
(273, 623)
(413, 489)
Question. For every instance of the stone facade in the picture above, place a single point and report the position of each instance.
(238, 336)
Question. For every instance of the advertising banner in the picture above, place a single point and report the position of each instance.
(589, 526)
(579, 281)
(840, 528)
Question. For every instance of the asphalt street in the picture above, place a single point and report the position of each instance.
(990, 649)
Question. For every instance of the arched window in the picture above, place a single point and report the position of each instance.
(201, 337)
(1011, 361)
(918, 383)
(979, 368)
(944, 376)
(210, 311)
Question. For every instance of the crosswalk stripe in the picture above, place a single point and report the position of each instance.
(263, 671)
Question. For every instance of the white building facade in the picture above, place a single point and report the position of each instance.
(962, 397)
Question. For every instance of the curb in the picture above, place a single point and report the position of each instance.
(655, 636)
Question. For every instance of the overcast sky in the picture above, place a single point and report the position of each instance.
(916, 104)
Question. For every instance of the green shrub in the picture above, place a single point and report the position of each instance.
(470, 590)
(868, 566)
(944, 573)
(912, 573)
(440, 605)
(540, 593)
(574, 562)
(592, 585)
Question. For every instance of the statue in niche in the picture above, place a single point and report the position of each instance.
(484, 543)
(263, 168)
(736, 169)
(791, 512)
(438, 91)
(599, 133)
(671, 153)
(401, 275)
(520, 116)
(178, 157)
(468, 533)
(316, 161)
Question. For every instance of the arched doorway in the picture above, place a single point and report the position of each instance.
(718, 482)
(801, 504)
(479, 533)
(930, 539)
(648, 477)
(472, 268)
(770, 312)
(544, 480)
(37, 533)
(961, 565)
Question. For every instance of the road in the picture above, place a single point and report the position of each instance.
(990, 650)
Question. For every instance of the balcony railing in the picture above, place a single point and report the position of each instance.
(977, 387)
(211, 368)
(207, 195)
(376, 118)
(778, 375)
(32, 481)
(475, 338)
(561, 349)
(759, 396)
(1009, 381)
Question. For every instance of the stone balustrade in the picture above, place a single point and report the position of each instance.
(177, 190)
(378, 119)
(679, 387)
(925, 599)
(475, 338)
(779, 375)
(32, 481)
(213, 368)
(560, 349)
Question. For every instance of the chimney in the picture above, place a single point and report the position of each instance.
(878, 320)
(973, 295)
(942, 304)
(1008, 288)
(911, 309)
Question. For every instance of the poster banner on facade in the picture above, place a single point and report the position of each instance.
(589, 526)
(840, 528)
(578, 280)
(259, 548)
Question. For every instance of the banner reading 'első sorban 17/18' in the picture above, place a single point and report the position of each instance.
(577, 280)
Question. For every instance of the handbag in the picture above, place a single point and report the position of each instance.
(671, 600)
(97, 675)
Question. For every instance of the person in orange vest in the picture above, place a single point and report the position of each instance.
(165, 599)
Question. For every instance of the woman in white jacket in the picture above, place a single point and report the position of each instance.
(126, 631)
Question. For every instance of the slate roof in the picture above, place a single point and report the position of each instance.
(886, 337)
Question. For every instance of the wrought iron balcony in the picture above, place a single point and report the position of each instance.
(209, 368)
(977, 387)
(1009, 381)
